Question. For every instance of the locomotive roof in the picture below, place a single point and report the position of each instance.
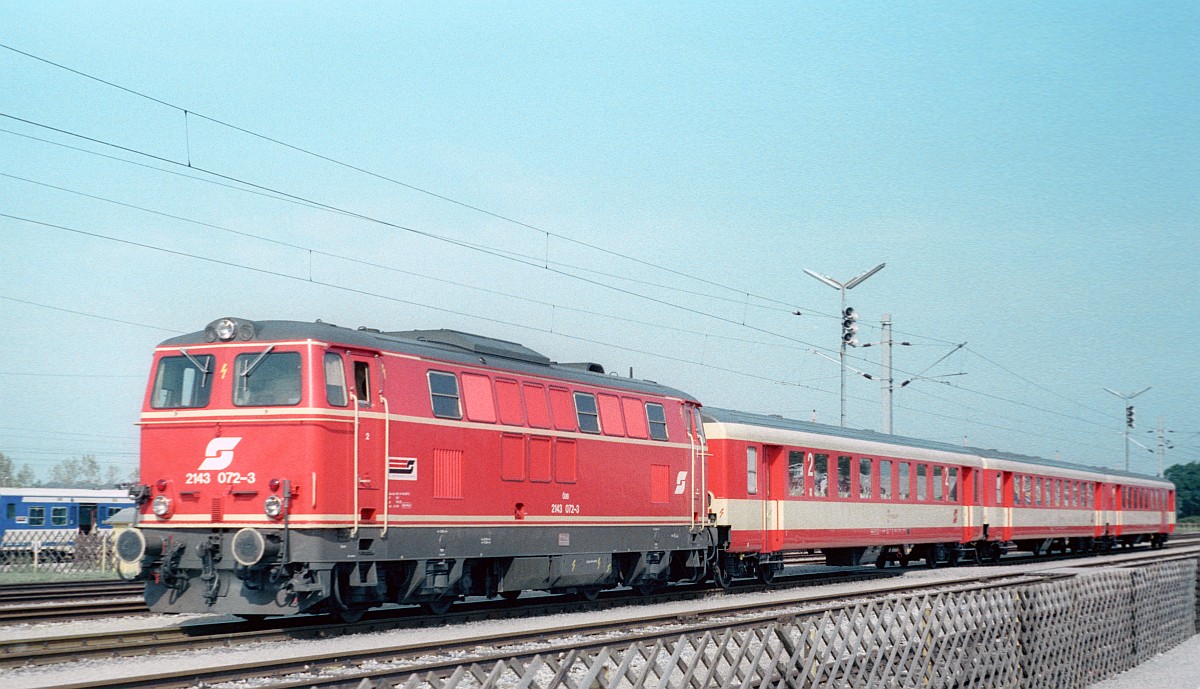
(774, 421)
(449, 345)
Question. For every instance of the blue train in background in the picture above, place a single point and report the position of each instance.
(25, 510)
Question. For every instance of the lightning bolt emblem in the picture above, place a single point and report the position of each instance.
(224, 370)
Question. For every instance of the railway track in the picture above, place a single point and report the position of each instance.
(25, 603)
(68, 590)
(631, 622)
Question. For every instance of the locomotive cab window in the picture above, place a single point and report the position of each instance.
(182, 382)
(362, 383)
(656, 416)
(267, 378)
(335, 380)
(586, 413)
(443, 395)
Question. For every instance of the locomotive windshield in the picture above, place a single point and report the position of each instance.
(267, 378)
(182, 382)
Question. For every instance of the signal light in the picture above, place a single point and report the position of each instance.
(849, 327)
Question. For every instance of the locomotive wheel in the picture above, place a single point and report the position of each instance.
(646, 588)
(440, 606)
(351, 615)
(509, 595)
(590, 593)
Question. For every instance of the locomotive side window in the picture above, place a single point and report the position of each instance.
(477, 397)
(635, 418)
(751, 470)
(905, 485)
(564, 409)
(266, 378)
(182, 382)
(656, 416)
(795, 473)
(820, 476)
(58, 516)
(443, 395)
(335, 380)
(885, 479)
(864, 478)
(610, 414)
(37, 516)
(508, 394)
(362, 383)
(535, 404)
(586, 413)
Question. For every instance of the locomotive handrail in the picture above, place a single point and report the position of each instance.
(354, 403)
(387, 453)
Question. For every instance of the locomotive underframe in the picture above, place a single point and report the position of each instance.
(337, 570)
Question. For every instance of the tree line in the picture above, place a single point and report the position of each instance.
(76, 472)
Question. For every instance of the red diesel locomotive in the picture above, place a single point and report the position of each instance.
(302, 467)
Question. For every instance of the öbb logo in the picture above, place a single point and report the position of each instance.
(219, 454)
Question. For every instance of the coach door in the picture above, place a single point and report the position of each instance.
(370, 460)
(775, 469)
(1006, 495)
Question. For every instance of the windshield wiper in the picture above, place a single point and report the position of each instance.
(254, 364)
(195, 362)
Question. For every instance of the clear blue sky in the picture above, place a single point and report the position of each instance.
(1028, 171)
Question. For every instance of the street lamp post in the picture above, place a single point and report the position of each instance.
(848, 317)
(1128, 417)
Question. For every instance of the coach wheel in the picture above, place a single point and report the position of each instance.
(904, 556)
(720, 576)
(766, 573)
(932, 556)
(440, 606)
(994, 551)
(952, 556)
(881, 561)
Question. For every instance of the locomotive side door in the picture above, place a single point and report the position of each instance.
(370, 460)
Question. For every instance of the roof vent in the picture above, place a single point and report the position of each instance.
(585, 366)
(477, 344)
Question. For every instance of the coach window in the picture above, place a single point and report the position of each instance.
(843, 477)
(939, 488)
(1037, 491)
(864, 478)
(335, 380)
(37, 516)
(10, 511)
(266, 379)
(182, 382)
(443, 395)
(58, 516)
(586, 412)
(795, 473)
(751, 470)
(820, 476)
(952, 483)
(885, 479)
(905, 487)
(656, 416)
(999, 490)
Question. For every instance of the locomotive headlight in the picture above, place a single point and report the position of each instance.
(226, 329)
(273, 506)
(161, 506)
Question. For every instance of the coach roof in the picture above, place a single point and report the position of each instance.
(446, 345)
